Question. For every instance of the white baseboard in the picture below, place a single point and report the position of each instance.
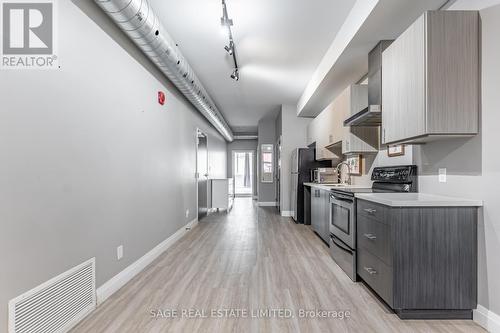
(267, 204)
(489, 320)
(119, 280)
(287, 213)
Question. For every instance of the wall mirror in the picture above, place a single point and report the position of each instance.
(267, 165)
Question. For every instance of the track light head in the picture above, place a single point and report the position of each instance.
(229, 50)
(236, 75)
(226, 21)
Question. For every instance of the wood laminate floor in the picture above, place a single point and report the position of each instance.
(249, 260)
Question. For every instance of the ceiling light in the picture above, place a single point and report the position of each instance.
(229, 49)
(226, 23)
(235, 75)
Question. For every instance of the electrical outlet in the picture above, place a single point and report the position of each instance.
(442, 175)
(119, 252)
(187, 213)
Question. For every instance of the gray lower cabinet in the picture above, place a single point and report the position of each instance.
(422, 261)
(320, 213)
(325, 219)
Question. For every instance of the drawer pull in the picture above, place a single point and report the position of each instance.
(370, 270)
(370, 236)
(370, 210)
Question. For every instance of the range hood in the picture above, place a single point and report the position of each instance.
(372, 115)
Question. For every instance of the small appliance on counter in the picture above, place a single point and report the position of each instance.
(325, 176)
(343, 211)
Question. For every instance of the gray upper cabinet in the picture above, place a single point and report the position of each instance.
(328, 129)
(320, 131)
(430, 79)
(355, 139)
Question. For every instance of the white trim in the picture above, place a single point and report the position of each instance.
(120, 279)
(267, 204)
(287, 213)
(196, 175)
(489, 320)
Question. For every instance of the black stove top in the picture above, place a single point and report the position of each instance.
(387, 179)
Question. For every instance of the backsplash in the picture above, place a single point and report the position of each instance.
(381, 159)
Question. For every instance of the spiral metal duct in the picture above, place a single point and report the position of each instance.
(138, 20)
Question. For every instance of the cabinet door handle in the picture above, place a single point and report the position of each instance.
(370, 210)
(370, 270)
(370, 236)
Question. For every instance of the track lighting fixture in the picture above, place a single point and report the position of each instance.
(236, 75)
(229, 49)
(226, 24)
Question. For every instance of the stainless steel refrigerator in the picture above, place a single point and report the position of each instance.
(303, 161)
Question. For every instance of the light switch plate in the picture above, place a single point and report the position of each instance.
(187, 213)
(119, 252)
(442, 175)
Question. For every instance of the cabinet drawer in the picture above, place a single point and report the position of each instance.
(373, 210)
(373, 236)
(376, 274)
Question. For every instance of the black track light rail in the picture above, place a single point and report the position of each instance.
(226, 22)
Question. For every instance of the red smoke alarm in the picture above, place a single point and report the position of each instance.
(161, 97)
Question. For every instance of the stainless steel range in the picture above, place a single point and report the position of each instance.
(343, 211)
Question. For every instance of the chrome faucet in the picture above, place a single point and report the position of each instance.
(339, 172)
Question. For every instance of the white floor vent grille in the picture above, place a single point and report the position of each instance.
(56, 305)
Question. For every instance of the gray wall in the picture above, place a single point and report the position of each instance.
(279, 124)
(243, 145)
(294, 135)
(267, 135)
(473, 165)
(89, 160)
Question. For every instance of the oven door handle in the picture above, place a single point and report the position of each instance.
(334, 198)
(339, 245)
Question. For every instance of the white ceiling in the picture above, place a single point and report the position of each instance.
(279, 44)
(472, 4)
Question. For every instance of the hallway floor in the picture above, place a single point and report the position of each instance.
(248, 260)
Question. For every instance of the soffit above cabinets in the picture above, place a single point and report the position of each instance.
(346, 61)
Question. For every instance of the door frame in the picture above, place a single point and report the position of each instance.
(196, 175)
(254, 153)
(277, 171)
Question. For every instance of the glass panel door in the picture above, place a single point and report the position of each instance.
(243, 173)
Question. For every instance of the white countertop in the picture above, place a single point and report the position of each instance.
(417, 200)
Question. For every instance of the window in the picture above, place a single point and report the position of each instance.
(267, 157)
